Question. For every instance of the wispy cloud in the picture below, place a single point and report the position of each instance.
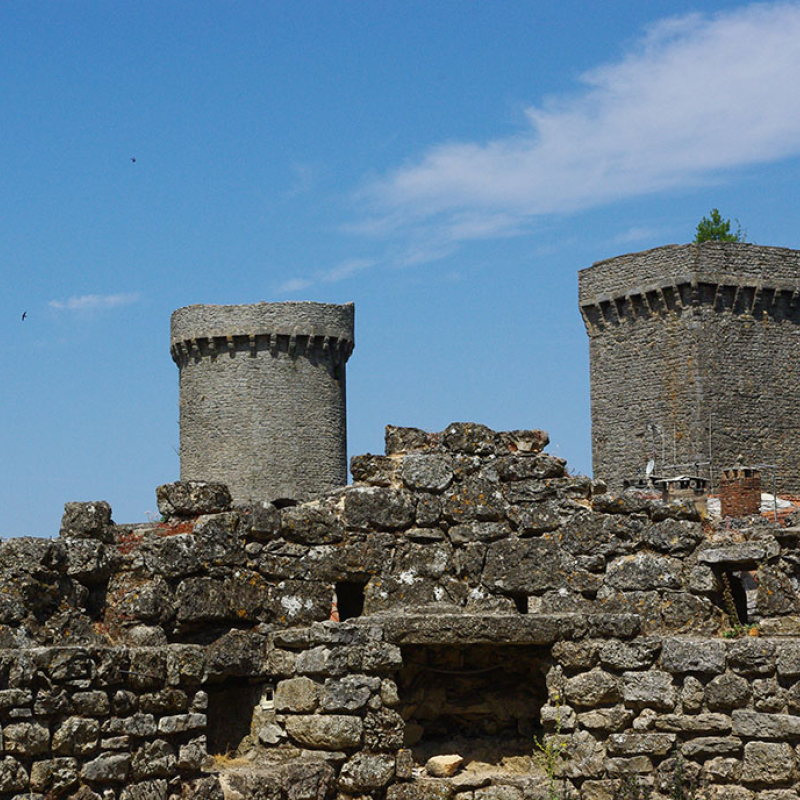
(342, 271)
(694, 97)
(92, 302)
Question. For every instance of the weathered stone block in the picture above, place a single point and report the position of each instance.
(87, 521)
(727, 691)
(91, 704)
(755, 725)
(693, 723)
(710, 746)
(311, 524)
(107, 768)
(13, 776)
(474, 499)
(26, 739)
(192, 498)
(427, 472)
(652, 689)
(180, 723)
(139, 725)
(146, 790)
(327, 732)
(76, 735)
(635, 765)
(153, 760)
(427, 789)
(634, 744)
(374, 470)
(595, 687)
(768, 763)
(350, 693)
(752, 656)
(638, 654)
(297, 695)
(376, 508)
(306, 780)
(693, 655)
(366, 772)
(644, 571)
(55, 775)
(606, 719)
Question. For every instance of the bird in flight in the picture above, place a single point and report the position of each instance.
(24, 314)
(133, 160)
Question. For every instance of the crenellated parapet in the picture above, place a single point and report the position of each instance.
(294, 343)
(318, 330)
(727, 278)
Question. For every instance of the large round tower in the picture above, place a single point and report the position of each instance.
(262, 396)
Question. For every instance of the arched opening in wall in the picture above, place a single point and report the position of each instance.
(237, 711)
(350, 599)
(480, 701)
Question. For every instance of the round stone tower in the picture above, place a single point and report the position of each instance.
(262, 396)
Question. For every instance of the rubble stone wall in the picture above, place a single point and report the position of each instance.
(294, 628)
(694, 357)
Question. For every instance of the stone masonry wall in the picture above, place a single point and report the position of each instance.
(694, 358)
(250, 650)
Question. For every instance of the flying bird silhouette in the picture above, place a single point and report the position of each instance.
(133, 160)
(24, 314)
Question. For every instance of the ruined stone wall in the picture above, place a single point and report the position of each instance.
(262, 396)
(693, 353)
(302, 652)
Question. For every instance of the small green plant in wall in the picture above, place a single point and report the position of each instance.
(549, 752)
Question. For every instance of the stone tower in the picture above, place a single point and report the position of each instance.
(262, 396)
(694, 359)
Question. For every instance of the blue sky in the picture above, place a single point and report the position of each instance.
(448, 166)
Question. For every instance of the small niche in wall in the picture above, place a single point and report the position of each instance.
(350, 599)
(734, 595)
(521, 602)
(237, 709)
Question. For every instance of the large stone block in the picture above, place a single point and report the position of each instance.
(595, 687)
(652, 689)
(693, 655)
(326, 732)
(768, 763)
(87, 521)
(376, 508)
(297, 695)
(366, 772)
(427, 472)
(192, 498)
(107, 768)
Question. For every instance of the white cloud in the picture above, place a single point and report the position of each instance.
(91, 302)
(342, 271)
(293, 285)
(696, 96)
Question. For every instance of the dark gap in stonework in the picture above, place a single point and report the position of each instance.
(231, 707)
(480, 701)
(521, 602)
(350, 599)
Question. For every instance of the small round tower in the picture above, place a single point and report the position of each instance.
(262, 396)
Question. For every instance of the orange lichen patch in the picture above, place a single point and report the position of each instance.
(174, 528)
(128, 541)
